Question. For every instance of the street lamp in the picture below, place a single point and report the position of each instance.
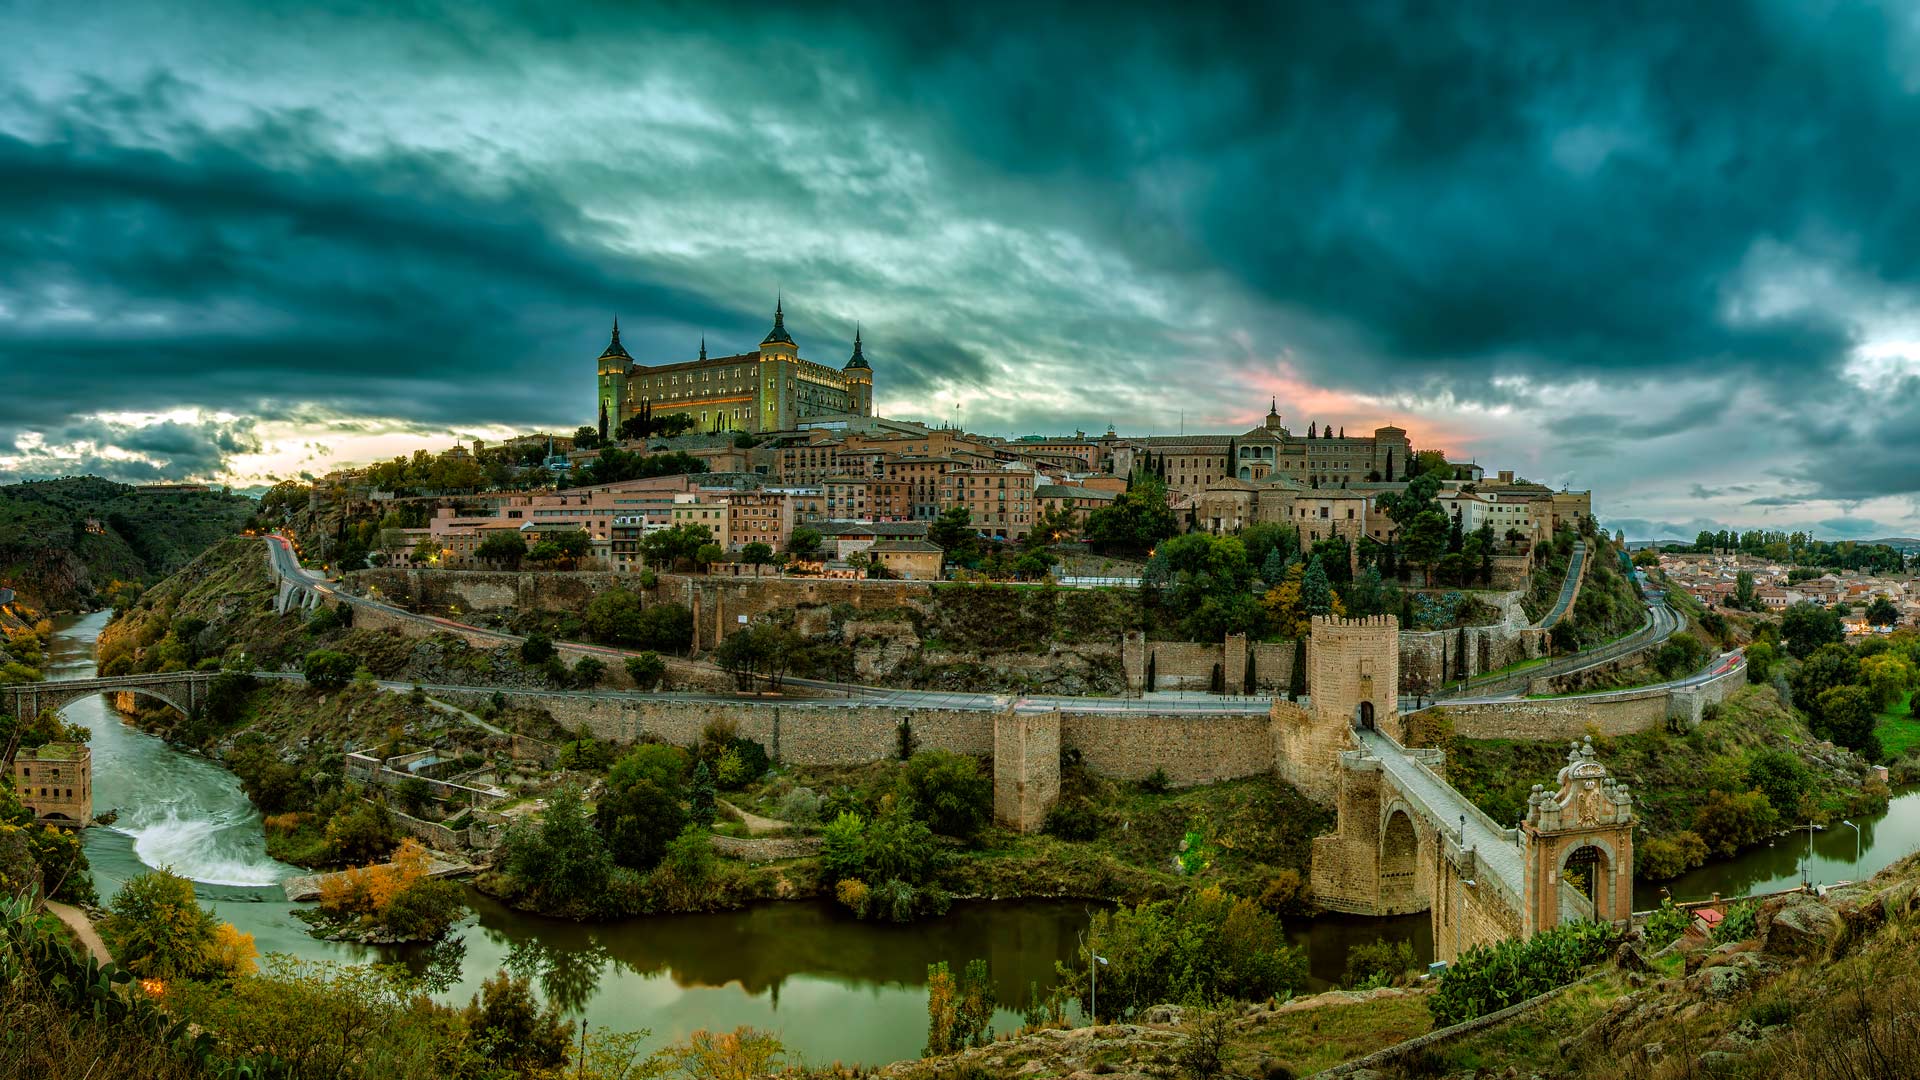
(1856, 843)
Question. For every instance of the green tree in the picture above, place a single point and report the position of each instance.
(1316, 593)
(560, 861)
(1805, 627)
(1744, 596)
(1828, 666)
(949, 792)
(614, 616)
(757, 555)
(638, 820)
(804, 543)
(426, 551)
(666, 628)
(502, 546)
(646, 670)
(1846, 715)
(1424, 539)
(514, 1030)
(328, 670)
(157, 929)
(537, 648)
(1882, 612)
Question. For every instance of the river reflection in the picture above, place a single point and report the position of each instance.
(1884, 839)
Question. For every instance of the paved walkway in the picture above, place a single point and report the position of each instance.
(756, 825)
(1443, 808)
(1575, 564)
(82, 928)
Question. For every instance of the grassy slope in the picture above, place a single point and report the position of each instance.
(1899, 731)
(1798, 1018)
(1666, 772)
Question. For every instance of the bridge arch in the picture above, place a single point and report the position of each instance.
(1399, 860)
(1363, 716)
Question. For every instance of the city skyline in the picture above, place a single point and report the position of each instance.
(1598, 248)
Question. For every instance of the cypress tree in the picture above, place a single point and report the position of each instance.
(1460, 654)
(1316, 592)
(1297, 680)
(1274, 568)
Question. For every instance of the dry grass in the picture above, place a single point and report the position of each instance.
(40, 1041)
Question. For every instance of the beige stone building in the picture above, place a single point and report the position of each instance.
(55, 781)
(908, 560)
(769, 389)
(1192, 463)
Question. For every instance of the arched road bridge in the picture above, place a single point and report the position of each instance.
(184, 690)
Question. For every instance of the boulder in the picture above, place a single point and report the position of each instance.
(1803, 926)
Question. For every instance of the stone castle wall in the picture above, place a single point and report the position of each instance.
(1560, 719)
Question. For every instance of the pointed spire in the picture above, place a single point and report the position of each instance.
(1273, 406)
(779, 331)
(614, 348)
(859, 359)
(703, 346)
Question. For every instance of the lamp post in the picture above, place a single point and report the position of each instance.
(1806, 867)
(1093, 996)
(1856, 843)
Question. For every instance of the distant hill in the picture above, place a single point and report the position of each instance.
(64, 542)
(1903, 543)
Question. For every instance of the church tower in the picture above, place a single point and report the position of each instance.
(779, 374)
(614, 367)
(859, 380)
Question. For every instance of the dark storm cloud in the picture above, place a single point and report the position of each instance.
(1407, 200)
(379, 286)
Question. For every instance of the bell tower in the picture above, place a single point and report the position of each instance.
(614, 367)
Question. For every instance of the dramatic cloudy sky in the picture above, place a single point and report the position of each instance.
(1672, 257)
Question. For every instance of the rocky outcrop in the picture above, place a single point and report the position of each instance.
(1798, 926)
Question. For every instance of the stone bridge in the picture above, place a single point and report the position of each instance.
(1406, 841)
(184, 690)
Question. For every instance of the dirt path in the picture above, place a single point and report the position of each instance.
(82, 927)
(756, 825)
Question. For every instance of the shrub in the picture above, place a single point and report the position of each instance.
(1205, 946)
(1156, 782)
(1203, 1053)
(1665, 925)
(158, 930)
(1741, 923)
(949, 793)
(1491, 977)
(646, 670)
(799, 806)
(1074, 819)
(328, 669)
(1282, 894)
(537, 649)
(1379, 963)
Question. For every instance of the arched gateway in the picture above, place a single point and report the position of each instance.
(1579, 846)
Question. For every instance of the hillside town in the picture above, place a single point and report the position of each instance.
(864, 494)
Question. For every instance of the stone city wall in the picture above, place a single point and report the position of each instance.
(1559, 719)
(1688, 704)
(1429, 658)
(1191, 749)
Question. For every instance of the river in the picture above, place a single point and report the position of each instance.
(832, 988)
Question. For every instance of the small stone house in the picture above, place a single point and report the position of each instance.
(908, 560)
(55, 781)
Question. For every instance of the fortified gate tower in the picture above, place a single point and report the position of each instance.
(1579, 847)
